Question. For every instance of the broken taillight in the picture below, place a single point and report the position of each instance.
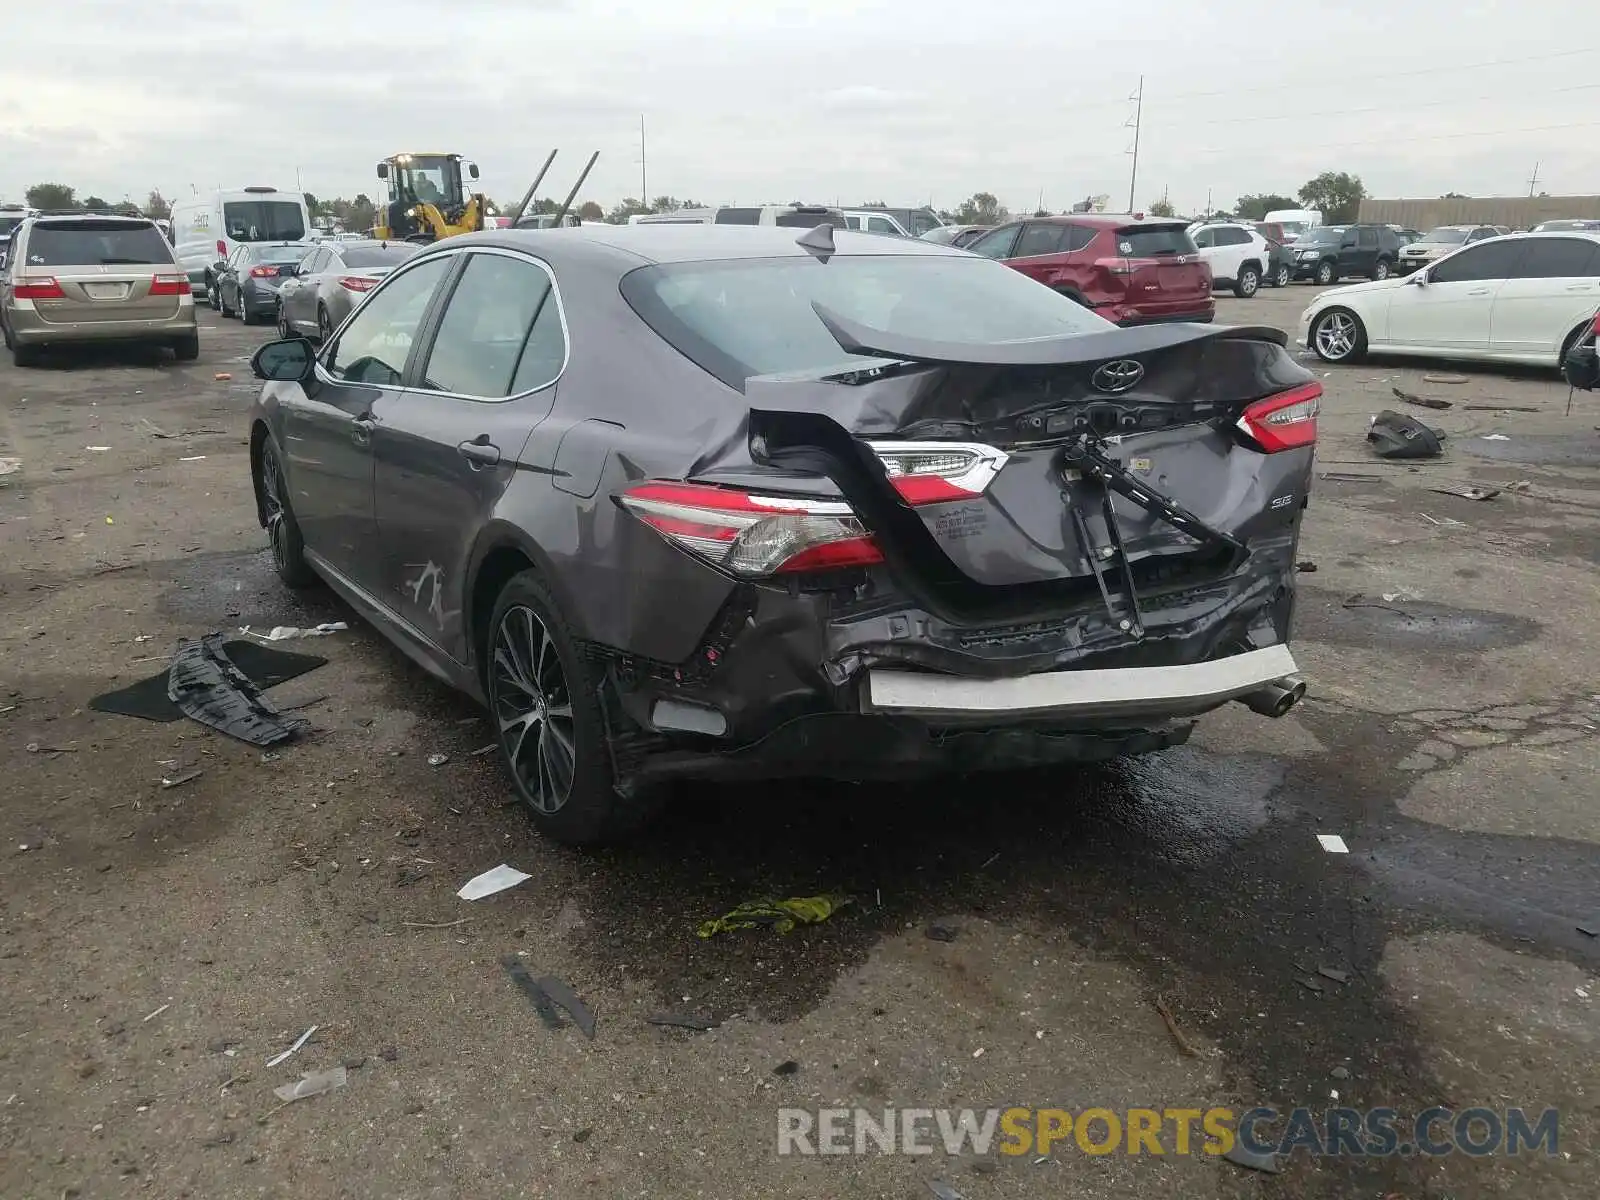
(933, 472)
(357, 283)
(753, 535)
(266, 272)
(1286, 421)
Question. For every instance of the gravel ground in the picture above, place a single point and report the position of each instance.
(158, 946)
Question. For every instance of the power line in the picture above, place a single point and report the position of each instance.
(1380, 108)
(1437, 137)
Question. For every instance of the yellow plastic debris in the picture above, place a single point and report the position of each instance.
(781, 915)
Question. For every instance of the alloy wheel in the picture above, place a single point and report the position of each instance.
(324, 324)
(1336, 336)
(1381, 271)
(533, 709)
(272, 502)
(1281, 277)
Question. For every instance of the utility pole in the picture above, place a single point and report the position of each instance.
(644, 187)
(1135, 122)
(1534, 181)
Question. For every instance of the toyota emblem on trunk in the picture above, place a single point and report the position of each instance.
(1118, 376)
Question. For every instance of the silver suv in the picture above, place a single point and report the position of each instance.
(77, 278)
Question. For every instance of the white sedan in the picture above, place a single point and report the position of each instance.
(1514, 300)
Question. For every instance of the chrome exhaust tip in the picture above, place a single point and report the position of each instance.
(1277, 698)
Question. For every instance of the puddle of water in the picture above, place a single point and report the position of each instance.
(1406, 624)
(233, 589)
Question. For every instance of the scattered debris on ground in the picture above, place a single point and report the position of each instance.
(180, 780)
(1444, 379)
(1495, 437)
(1395, 435)
(1251, 1161)
(1419, 401)
(1467, 491)
(780, 915)
(1332, 843)
(787, 1067)
(942, 933)
(683, 1021)
(1182, 1043)
(285, 633)
(495, 879)
(547, 992)
(1305, 566)
(438, 760)
(265, 667)
(943, 1190)
(314, 1084)
(298, 1042)
(204, 683)
(1334, 974)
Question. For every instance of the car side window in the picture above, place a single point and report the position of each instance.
(1367, 238)
(1232, 237)
(489, 327)
(880, 225)
(996, 243)
(1078, 237)
(1478, 235)
(375, 344)
(1038, 238)
(1497, 260)
(1556, 258)
(1205, 238)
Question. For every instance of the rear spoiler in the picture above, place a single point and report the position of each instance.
(855, 338)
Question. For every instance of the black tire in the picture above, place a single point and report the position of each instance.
(324, 324)
(1573, 339)
(283, 531)
(1346, 344)
(213, 295)
(245, 315)
(1380, 269)
(25, 356)
(283, 324)
(222, 302)
(187, 349)
(1327, 273)
(564, 777)
(1248, 283)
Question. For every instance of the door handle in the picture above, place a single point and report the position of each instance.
(1578, 287)
(361, 430)
(1478, 292)
(480, 452)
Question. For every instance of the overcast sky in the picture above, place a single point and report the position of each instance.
(847, 100)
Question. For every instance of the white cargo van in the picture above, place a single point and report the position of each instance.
(1295, 221)
(207, 228)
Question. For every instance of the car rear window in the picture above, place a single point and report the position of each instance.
(738, 216)
(281, 254)
(750, 317)
(379, 256)
(85, 243)
(810, 218)
(7, 224)
(263, 220)
(1155, 241)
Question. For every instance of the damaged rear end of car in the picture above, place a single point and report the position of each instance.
(958, 554)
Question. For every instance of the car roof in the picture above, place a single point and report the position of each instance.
(689, 243)
(1112, 220)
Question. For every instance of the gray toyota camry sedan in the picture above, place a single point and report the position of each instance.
(723, 502)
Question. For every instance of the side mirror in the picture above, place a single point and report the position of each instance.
(1420, 279)
(284, 361)
(472, 169)
(383, 170)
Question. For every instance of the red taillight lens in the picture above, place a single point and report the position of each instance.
(753, 535)
(1286, 421)
(263, 272)
(356, 283)
(1595, 328)
(1115, 266)
(39, 289)
(933, 472)
(222, 248)
(170, 285)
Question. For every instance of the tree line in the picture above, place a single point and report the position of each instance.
(1337, 195)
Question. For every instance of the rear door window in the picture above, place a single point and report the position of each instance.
(1367, 238)
(96, 243)
(738, 216)
(1558, 258)
(1039, 238)
(1229, 236)
(263, 221)
(488, 328)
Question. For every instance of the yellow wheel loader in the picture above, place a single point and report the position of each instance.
(427, 200)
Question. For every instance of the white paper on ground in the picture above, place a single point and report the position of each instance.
(495, 880)
(300, 1041)
(1333, 843)
(314, 1084)
(283, 633)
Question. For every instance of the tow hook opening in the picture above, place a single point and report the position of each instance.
(1276, 698)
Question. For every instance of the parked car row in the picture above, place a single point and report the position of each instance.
(305, 288)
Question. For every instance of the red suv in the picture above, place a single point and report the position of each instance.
(1130, 270)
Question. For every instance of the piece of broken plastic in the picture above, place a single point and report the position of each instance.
(496, 879)
(284, 633)
(780, 915)
(206, 686)
(314, 1084)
